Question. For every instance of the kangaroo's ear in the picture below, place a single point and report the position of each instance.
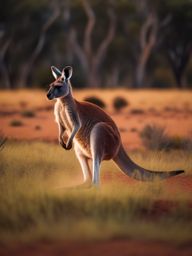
(67, 72)
(56, 72)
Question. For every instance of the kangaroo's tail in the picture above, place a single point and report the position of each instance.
(137, 172)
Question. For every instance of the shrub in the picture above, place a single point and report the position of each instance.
(137, 111)
(28, 113)
(155, 138)
(96, 101)
(16, 123)
(177, 142)
(119, 103)
(133, 129)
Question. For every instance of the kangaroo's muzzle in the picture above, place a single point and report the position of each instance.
(50, 95)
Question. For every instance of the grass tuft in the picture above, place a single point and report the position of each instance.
(95, 100)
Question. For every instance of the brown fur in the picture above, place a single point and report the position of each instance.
(94, 134)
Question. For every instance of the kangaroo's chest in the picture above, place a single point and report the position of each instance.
(62, 117)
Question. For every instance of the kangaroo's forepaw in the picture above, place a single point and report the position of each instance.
(66, 147)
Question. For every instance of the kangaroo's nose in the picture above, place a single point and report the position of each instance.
(49, 96)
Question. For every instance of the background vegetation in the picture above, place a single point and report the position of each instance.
(109, 43)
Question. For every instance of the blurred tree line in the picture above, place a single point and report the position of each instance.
(129, 43)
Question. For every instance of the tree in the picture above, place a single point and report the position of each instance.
(27, 66)
(108, 42)
(25, 29)
(177, 42)
(89, 58)
(3, 66)
(148, 38)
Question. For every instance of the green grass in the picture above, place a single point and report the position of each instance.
(31, 208)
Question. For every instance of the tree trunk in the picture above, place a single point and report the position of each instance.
(4, 71)
(93, 78)
(89, 59)
(28, 66)
(179, 77)
(147, 42)
(141, 67)
(178, 62)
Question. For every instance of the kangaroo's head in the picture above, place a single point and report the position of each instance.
(61, 86)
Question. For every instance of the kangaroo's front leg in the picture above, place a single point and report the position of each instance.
(62, 138)
(76, 125)
(71, 137)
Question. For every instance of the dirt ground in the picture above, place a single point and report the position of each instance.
(170, 109)
(107, 248)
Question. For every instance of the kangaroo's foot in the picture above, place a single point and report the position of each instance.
(85, 185)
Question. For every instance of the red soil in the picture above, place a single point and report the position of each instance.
(178, 184)
(145, 107)
(107, 248)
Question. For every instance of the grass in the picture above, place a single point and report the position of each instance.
(31, 207)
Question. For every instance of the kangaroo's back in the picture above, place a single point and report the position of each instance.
(90, 114)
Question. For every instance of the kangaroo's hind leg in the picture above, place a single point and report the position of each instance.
(97, 146)
(83, 160)
(104, 144)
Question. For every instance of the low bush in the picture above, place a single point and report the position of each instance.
(16, 123)
(95, 100)
(154, 137)
(28, 113)
(119, 103)
(137, 111)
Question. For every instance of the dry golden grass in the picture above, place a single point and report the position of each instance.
(32, 207)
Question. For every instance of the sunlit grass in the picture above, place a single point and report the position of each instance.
(31, 206)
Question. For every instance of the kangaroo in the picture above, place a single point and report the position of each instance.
(93, 133)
